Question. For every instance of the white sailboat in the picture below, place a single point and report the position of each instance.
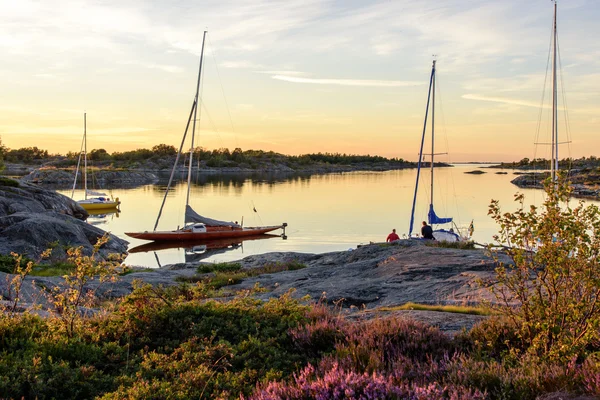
(432, 218)
(196, 226)
(93, 200)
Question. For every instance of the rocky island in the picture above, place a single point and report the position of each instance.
(145, 166)
(33, 219)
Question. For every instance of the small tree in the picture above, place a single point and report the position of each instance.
(69, 299)
(3, 150)
(551, 290)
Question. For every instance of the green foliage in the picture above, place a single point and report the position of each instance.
(164, 150)
(67, 300)
(8, 182)
(468, 245)
(2, 152)
(25, 154)
(550, 290)
(219, 267)
(225, 274)
(54, 269)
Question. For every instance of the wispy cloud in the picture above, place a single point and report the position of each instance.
(346, 82)
(174, 69)
(503, 100)
(282, 72)
(73, 130)
(244, 64)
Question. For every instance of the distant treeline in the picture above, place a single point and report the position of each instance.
(222, 157)
(566, 163)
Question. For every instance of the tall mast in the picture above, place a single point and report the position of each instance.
(432, 128)
(554, 166)
(191, 162)
(412, 213)
(84, 156)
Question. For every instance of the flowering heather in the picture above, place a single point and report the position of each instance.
(338, 383)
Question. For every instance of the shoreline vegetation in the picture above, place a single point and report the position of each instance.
(145, 165)
(583, 174)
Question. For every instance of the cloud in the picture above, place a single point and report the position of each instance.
(72, 130)
(174, 69)
(502, 100)
(346, 82)
(282, 72)
(241, 64)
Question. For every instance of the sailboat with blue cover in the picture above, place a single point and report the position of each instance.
(449, 234)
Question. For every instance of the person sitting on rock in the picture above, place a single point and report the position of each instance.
(392, 236)
(427, 231)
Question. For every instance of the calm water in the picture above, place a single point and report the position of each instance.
(324, 212)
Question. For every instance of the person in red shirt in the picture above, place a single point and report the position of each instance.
(392, 236)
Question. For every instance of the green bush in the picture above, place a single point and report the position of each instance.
(8, 182)
(550, 289)
(219, 267)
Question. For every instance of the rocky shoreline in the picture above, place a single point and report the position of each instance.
(149, 172)
(34, 219)
(367, 282)
(583, 185)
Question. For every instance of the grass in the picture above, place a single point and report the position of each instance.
(56, 269)
(226, 274)
(8, 182)
(7, 265)
(219, 267)
(444, 308)
(469, 245)
(129, 270)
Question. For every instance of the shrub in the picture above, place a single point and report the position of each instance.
(468, 245)
(8, 182)
(551, 288)
(219, 267)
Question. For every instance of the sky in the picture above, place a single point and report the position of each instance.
(299, 76)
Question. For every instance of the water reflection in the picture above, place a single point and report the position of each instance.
(196, 251)
(102, 217)
(324, 212)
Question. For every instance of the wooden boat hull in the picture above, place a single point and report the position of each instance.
(182, 235)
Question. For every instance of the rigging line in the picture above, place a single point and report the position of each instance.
(448, 156)
(212, 123)
(77, 169)
(541, 111)
(254, 211)
(223, 90)
(566, 111)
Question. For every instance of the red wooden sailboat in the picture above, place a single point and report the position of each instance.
(199, 228)
(196, 226)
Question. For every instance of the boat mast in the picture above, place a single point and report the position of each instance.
(432, 128)
(191, 162)
(192, 115)
(554, 161)
(84, 156)
(412, 214)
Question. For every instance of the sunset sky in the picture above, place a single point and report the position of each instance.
(297, 76)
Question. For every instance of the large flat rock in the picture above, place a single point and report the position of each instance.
(381, 275)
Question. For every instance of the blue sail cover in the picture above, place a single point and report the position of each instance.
(434, 219)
